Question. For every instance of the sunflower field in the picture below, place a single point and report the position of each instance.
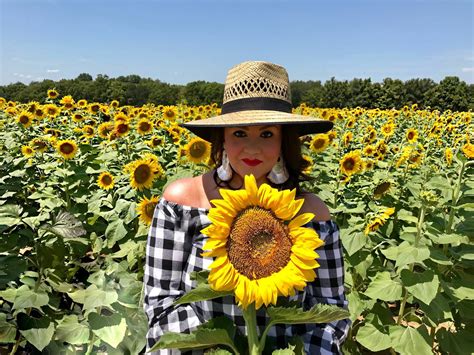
(79, 182)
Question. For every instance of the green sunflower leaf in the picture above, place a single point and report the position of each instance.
(320, 313)
(66, 226)
(201, 293)
(288, 351)
(199, 339)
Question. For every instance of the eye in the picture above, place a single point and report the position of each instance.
(240, 133)
(266, 134)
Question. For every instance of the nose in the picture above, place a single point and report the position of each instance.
(252, 148)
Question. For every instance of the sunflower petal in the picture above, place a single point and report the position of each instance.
(303, 253)
(300, 220)
(306, 264)
(251, 188)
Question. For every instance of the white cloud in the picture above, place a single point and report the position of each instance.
(52, 71)
(468, 70)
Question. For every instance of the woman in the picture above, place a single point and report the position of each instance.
(255, 134)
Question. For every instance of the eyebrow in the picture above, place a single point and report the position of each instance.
(246, 128)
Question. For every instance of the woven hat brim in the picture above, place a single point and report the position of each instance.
(304, 124)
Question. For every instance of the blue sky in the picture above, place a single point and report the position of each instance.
(182, 41)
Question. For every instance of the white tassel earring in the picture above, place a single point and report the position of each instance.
(279, 174)
(224, 171)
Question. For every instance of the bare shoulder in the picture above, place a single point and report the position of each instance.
(314, 204)
(183, 191)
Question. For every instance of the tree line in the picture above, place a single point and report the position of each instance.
(450, 93)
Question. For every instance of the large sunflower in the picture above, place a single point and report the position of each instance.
(351, 163)
(105, 180)
(261, 249)
(319, 143)
(104, 129)
(67, 148)
(146, 208)
(144, 126)
(197, 150)
(52, 94)
(25, 118)
(144, 171)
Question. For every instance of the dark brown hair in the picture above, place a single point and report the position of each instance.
(291, 151)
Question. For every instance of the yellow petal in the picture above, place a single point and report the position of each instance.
(225, 206)
(214, 244)
(306, 264)
(238, 198)
(266, 196)
(300, 220)
(218, 262)
(304, 253)
(251, 188)
(216, 252)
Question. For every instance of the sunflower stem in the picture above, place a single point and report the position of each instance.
(250, 317)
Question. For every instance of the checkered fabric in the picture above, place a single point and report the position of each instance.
(174, 251)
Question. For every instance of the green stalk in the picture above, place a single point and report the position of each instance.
(419, 228)
(455, 197)
(250, 317)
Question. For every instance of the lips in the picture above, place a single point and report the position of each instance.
(252, 162)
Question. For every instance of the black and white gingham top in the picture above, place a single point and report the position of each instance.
(174, 250)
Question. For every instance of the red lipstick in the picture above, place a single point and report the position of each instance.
(252, 162)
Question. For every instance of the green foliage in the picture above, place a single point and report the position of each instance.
(450, 94)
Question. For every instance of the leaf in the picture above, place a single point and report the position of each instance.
(444, 238)
(407, 216)
(199, 339)
(438, 310)
(384, 288)
(423, 286)
(9, 215)
(320, 313)
(357, 305)
(110, 329)
(405, 254)
(373, 338)
(7, 330)
(93, 297)
(30, 299)
(288, 351)
(459, 343)
(407, 340)
(201, 293)
(200, 276)
(71, 331)
(66, 226)
(37, 331)
(11, 267)
(114, 232)
(353, 242)
(217, 352)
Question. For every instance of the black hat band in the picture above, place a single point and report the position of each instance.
(256, 103)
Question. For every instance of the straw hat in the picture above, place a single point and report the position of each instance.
(257, 93)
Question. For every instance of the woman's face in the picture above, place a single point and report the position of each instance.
(252, 150)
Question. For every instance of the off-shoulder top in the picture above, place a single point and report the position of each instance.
(174, 250)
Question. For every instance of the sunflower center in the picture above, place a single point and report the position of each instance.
(150, 209)
(144, 126)
(318, 143)
(142, 173)
(67, 148)
(349, 164)
(106, 180)
(122, 128)
(258, 245)
(24, 119)
(197, 149)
